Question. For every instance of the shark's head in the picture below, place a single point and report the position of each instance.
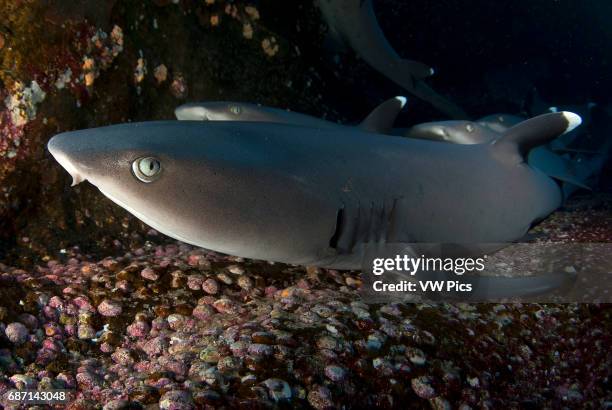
(458, 132)
(213, 184)
(220, 111)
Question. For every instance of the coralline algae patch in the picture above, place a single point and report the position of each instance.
(10, 135)
(183, 328)
(21, 101)
(21, 107)
(247, 15)
(101, 52)
(78, 60)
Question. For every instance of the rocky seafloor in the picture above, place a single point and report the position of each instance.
(176, 327)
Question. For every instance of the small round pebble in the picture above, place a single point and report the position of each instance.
(416, 356)
(203, 312)
(176, 400)
(422, 387)
(149, 274)
(258, 349)
(278, 389)
(109, 308)
(335, 373)
(85, 332)
(176, 321)
(225, 278)
(210, 286)
(320, 398)
(16, 332)
(139, 328)
(235, 269)
(194, 282)
(117, 405)
(245, 282)
(225, 306)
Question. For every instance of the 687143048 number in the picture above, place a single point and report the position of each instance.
(31, 396)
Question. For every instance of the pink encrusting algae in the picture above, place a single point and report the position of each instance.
(150, 327)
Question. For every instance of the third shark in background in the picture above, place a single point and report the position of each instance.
(354, 23)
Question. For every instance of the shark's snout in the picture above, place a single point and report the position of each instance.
(60, 147)
(190, 112)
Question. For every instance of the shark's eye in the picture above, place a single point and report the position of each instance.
(146, 169)
(235, 109)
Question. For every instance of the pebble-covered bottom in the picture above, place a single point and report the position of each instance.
(177, 327)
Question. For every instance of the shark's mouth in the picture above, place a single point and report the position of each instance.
(63, 160)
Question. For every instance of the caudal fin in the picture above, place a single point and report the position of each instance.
(563, 169)
(415, 69)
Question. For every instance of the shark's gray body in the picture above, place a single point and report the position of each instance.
(314, 196)
(501, 122)
(457, 132)
(380, 120)
(354, 22)
(572, 174)
(241, 111)
(270, 181)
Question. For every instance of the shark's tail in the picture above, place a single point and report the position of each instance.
(416, 69)
(572, 174)
(589, 151)
(587, 168)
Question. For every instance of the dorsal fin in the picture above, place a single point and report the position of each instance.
(381, 119)
(536, 131)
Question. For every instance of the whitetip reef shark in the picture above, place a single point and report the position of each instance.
(380, 120)
(571, 174)
(353, 22)
(315, 196)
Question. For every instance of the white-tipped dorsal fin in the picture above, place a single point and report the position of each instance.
(536, 131)
(382, 118)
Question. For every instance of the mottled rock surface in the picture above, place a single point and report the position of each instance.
(296, 338)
